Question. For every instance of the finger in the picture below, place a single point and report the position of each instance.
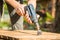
(22, 8)
(29, 21)
(19, 11)
(28, 18)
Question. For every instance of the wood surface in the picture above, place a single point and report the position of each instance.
(30, 35)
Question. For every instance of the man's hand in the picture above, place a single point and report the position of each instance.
(27, 18)
(20, 11)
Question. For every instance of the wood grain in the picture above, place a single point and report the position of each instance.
(30, 35)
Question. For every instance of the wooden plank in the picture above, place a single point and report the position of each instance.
(30, 35)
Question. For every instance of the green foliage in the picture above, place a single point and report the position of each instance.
(32, 27)
(43, 0)
(5, 6)
(4, 24)
(5, 11)
(49, 17)
(28, 26)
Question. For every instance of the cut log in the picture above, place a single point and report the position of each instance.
(29, 35)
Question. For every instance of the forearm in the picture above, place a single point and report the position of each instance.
(33, 2)
(13, 3)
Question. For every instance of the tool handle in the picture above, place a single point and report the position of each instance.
(32, 12)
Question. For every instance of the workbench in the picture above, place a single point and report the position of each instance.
(27, 35)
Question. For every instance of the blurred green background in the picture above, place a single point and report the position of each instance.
(5, 20)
